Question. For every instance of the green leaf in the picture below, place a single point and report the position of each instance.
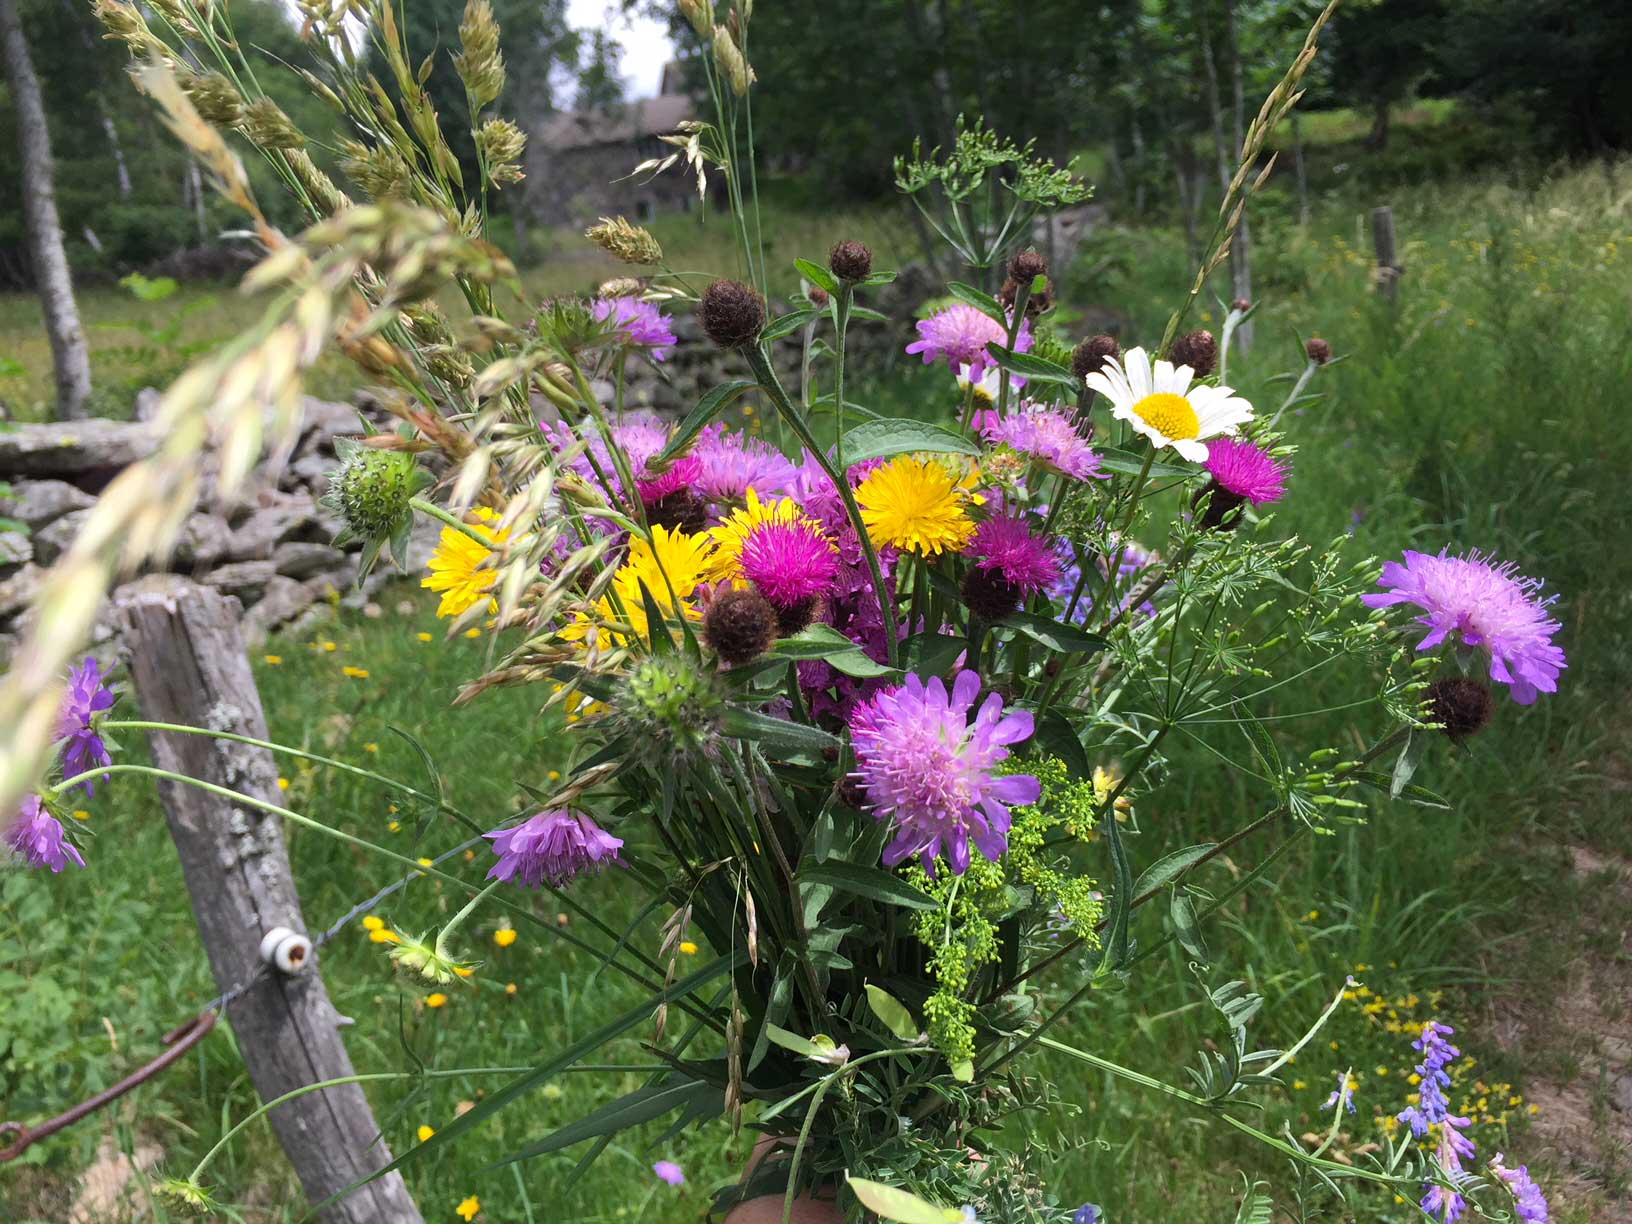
(964, 1071)
(1183, 913)
(1261, 742)
(1412, 792)
(709, 407)
(791, 1041)
(897, 1205)
(827, 644)
(786, 324)
(931, 654)
(1121, 899)
(889, 436)
(1170, 867)
(1030, 367)
(877, 278)
(1056, 635)
(632, 1109)
(892, 1012)
(1132, 465)
(1410, 758)
(1056, 735)
(980, 300)
(817, 275)
(874, 883)
(657, 629)
(777, 734)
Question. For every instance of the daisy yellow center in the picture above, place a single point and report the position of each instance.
(1169, 415)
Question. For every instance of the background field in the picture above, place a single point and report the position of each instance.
(1486, 411)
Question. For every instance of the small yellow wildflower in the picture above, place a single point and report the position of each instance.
(464, 971)
(687, 948)
(914, 504)
(81, 814)
(384, 935)
(272, 660)
(394, 826)
(435, 1000)
(458, 566)
(1299, 1085)
(554, 775)
(371, 923)
(1332, 1044)
(1312, 916)
(425, 862)
(328, 647)
(283, 783)
(473, 633)
(425, 637)
(354, 673)
(510, 988)
(425, 1132)
(371, 747)
(469, 1209)
(504, 936)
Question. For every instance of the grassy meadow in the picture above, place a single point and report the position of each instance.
(1484, 410)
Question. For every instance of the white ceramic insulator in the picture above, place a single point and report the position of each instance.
(285, 950)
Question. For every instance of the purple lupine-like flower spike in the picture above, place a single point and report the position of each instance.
(1486, 605)
(87, 697)
(1343, 1094)
(926, 765)
(36, 837)
(1433, 1110)
(555, 846)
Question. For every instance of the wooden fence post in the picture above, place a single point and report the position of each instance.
(187, 658)
(1389, 270)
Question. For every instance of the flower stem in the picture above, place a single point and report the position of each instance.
(841, 324)
(458, 919)
(450, 520)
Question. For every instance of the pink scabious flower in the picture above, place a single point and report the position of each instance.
(1485, 604)
(1246, 470)
(555, 846)
(641, 321)
(82, 747)
(790, 562)
(959, 335)
(35, 836)
(668, 1171)
(925, 765)
(733, 463)
(1047, 435)
(1005, 544)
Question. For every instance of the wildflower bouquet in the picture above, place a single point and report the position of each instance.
(844, 697)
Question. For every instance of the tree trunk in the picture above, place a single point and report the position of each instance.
(1241, 249)
(187, 660)
(52, 280)
(1377, 138)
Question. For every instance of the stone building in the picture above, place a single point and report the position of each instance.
(579, 162)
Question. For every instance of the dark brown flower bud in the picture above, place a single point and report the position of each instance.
(1027, 266)
(1240, 305)
(851, 261)
(1319, 351)
(1461, 705)
(682, 510)
(795, 616)
(989, 595)
(1037, 302)
(817, 296)
(740, 625)
(732, 315)
(1196, 349)
(1222, 511)
(1089, 356)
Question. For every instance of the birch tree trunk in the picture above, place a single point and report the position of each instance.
(69, 354)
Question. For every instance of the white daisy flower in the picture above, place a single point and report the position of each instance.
(1160, 402)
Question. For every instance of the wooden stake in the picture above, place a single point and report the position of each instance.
(1382, 239)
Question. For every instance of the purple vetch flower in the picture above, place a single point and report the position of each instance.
(669, 1172)
(733, 463)
(1047, 435)
(1246, 470)
(1136, 558)
(87, 697)
(959, 335)
(1088, 1213)
(642, 322)
(554, 846)
(790, 562)
(1529, 1203)
(1433, 1112)
(1485, 604)
(1005, 544)
(36, 837)
(925, 765)
(1343, 1094)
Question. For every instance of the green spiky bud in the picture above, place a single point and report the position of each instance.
(373, 494)
(672, 707)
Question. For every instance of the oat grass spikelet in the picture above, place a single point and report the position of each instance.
(915, 504)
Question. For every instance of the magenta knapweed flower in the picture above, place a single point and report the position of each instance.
(82, 747)
(1246, 470)
(1005, 544)
(642, 322)
(1529, 1203)
(554, 846)
(36, 837)
(1047, 435)
(927, 767)
(670, 1172)
(790, 562)
(1487, 605)
(733, 463)
(959, 335)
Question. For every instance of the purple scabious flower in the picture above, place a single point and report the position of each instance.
(925, 765)
(1246, 470)
(554, 846)
(642, 322)
(1047, 435)
(1529, 1203)
(959, 335)
(790, 562)
(1005, 544)
(733, 463)
(82, 747)
(36, 837)
(669, 1172)
(1487, 605)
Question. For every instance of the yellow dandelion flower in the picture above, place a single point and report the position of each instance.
(687, 948)
(354, 673)
(671, 564)
(914, 504)
(438, 999)
(425, 1132)
(458, 566)
(371, 923)
(733, 532)
(504, 936)
(469, 1209)
(425, 637)
(272, 660)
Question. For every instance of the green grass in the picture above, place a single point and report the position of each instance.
(1484, 411)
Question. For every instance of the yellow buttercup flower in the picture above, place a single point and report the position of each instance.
(354, 673)
(469, 1209)
(687, 948)
(425, 1132)
(436, 1000)
(504, 936)
(733, 532)
(371, 923)
(458, 567)
(272, 660)
(425, 637)
(915, 504)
